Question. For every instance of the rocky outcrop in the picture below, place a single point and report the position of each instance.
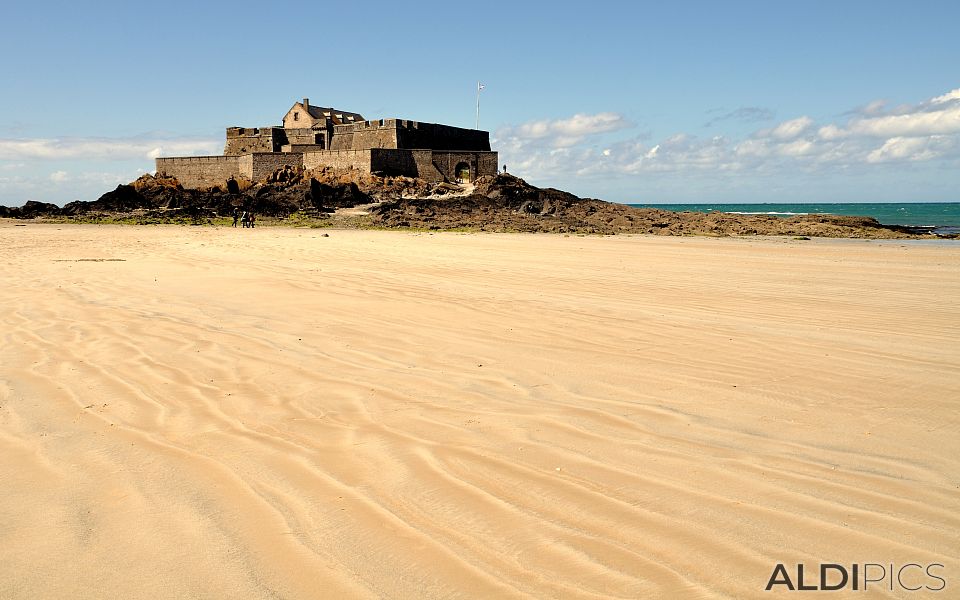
(286, 193)
(497, 203)
(506, 203)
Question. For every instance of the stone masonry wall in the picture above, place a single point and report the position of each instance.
(365, 135)
(411, 163)
(431, 165)
(264, 164)
(399, 133)
(488, 163)
(480, 163)
(246, 140)
(297, 117)
(206, 171)
(297, 137)
(200, 171)
(441, 137)
(339, 159)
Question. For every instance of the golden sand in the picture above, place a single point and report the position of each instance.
(227, 413)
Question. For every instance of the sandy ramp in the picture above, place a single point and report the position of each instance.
(212, 413)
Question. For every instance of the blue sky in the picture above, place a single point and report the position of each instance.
(633, 102)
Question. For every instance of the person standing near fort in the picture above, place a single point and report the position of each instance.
(236, 215)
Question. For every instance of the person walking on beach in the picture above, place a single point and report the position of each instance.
(253, 220)
(236, 215)
(244, 219)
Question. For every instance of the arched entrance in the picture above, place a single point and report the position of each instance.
(462, 172)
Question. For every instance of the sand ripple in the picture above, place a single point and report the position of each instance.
(271, 414)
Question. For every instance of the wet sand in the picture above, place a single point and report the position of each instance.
(211, 413)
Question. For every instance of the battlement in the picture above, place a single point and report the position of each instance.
(403, 133)
(377, 124)
(235, 132)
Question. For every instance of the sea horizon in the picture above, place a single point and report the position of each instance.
(943, 216)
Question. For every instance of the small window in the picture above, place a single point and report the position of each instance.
(296, 116)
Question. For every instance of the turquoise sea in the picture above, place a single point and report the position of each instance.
(942, 217)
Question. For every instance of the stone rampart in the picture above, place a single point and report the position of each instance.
(264, 164)
(201, 171)
(441, 137)
(432, 165)
(365, 135)
(246, 140)
(400, 133)
(410, 163)
(338, 159)
(478, 163)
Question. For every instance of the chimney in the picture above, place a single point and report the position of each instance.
(306, 103)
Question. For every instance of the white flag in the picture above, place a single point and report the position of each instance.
(480, 86)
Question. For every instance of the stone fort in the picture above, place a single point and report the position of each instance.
(314, 136)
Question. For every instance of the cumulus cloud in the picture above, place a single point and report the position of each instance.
(563, 133)
(911, 124)
(912, 149)
(875, 133)
(951, 96)
(94, 148)
(789, 130)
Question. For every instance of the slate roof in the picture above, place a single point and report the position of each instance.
(339, 117)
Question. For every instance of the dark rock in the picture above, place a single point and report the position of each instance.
(33, 209)
(123, 199)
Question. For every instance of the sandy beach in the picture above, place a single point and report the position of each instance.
(192, 412)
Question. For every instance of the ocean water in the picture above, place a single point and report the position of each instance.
(942, 217)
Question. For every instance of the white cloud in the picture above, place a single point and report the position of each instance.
(911, 149)
(791, 129)
(563, 133)
(926, 131)
(831, 132)
(105, 148)
(937, 116)
(58, 176)
(948, 97)
(911, 124)
(798, 148)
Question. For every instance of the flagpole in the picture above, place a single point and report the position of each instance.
(479, 87)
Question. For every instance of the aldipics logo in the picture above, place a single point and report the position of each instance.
(910, 577)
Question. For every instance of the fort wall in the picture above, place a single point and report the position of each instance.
(200, 171)
(401, 133)
(207, 171)
(264, 164)
(338, 159)
(441, 137)
(302, 136)
(245, 140)
(479, 163)
(365, 135)
(410, 163)
(431, 165)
